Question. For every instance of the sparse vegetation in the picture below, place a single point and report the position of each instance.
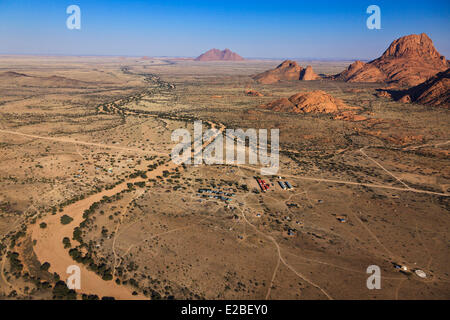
(162, 238)
(65, 219)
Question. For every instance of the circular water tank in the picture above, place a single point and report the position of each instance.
(421, 274)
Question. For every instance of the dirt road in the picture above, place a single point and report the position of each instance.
(49, 247)
(84, 143)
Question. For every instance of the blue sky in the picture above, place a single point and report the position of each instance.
(268, 29)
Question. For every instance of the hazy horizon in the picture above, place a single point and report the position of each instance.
(181, 57)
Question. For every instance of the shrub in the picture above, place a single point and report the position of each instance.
(107, 277)
(66, 242)
(45, 266)
(65, 219)
(62, 292)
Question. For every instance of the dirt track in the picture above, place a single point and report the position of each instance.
(84, 143)
(49, 246)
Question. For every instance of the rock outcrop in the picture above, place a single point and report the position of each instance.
(308, 74)
(288, 70)
(408, 61)
(351, 71)
(308, 102)
(253, 93)
(218, 55)
(434, 92)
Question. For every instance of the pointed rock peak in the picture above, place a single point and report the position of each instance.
(409, 60)
(308, 74)
(418, 46)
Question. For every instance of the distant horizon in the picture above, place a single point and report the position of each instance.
(323, 30)
(182, 57)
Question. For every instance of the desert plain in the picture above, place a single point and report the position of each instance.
(86, 179)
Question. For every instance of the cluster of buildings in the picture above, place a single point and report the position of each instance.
(215, 194)
(263, 185)
(285, 185)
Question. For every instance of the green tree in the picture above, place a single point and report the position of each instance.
(45, 266)
(65, 219)
(62, 292)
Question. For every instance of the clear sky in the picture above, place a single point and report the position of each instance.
(267, 29)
